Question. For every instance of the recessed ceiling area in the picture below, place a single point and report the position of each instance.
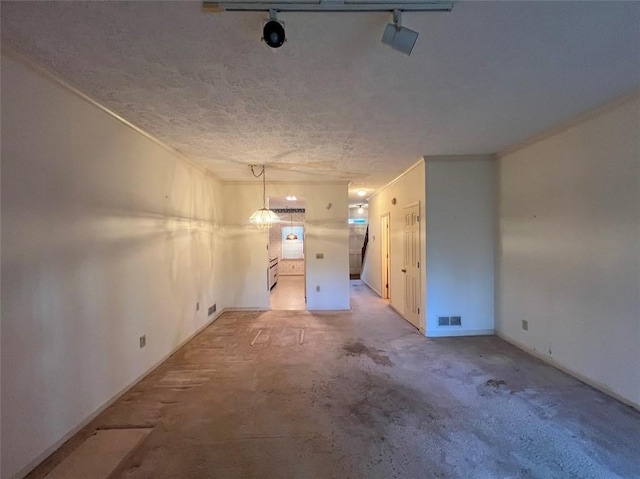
(334, 103)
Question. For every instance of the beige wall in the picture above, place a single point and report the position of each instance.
(569, 253)
(407, 189)
(106, 236)
(461, 228)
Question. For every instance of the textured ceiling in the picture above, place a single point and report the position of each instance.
(333, 102)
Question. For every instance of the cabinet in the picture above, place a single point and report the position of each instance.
(273, 272)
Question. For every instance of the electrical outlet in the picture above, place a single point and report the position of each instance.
(525, 325)
(198, 306)
(143, 341)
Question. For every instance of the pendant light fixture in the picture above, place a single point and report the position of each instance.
(291, 236)
(263, 218)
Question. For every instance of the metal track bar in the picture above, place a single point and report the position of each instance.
(327, 6)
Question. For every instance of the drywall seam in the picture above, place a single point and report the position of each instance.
(571, 123)
(396, 179)
(28, 62)
(594, 384)
(55, 446)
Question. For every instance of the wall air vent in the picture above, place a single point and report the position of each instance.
(449, 320)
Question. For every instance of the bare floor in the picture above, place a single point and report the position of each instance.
(288, 294)
(362, 394)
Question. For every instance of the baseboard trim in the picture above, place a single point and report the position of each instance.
(460, 332)
(371, 287)
(249, 309)
(594, 384)
(55, 446)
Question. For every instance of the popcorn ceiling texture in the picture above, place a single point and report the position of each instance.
(333, 102)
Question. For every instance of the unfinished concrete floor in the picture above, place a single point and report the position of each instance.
(364, 396)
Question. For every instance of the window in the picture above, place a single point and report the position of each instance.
(292, 248)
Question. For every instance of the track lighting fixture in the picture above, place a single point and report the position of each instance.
(398, 37)
(273, 31)
(395, 35)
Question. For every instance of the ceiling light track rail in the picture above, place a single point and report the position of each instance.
(327, 6)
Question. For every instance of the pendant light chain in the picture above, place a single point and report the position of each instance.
(264, 217)
(264, 187)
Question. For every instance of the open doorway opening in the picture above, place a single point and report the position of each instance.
(286, 254)
(358, 219)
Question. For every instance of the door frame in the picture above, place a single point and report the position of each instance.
(418, 291)
(385, 276)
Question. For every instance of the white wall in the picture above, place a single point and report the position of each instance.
(407, 189)
(326, 232)
(460, 245)
(106, 236)
(569, 257)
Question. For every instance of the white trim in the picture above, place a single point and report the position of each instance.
(72, 432)
(453, 158)
(447, 333)
(396, 179)
(248, 309)
(575, 121)
(371, 287)
(590, 382)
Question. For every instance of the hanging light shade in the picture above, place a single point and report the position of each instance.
(263, 218)
(291, 236)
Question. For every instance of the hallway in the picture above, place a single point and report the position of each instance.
(362, 394)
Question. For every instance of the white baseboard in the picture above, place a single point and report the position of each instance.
(449, 333)
(56, 445)
(371, 287)
(249, 309)
(594, 384)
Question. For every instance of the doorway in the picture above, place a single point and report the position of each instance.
(287, 267)
(384, 234)
(411, 264)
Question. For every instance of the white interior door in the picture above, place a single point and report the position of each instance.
(411, 267)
